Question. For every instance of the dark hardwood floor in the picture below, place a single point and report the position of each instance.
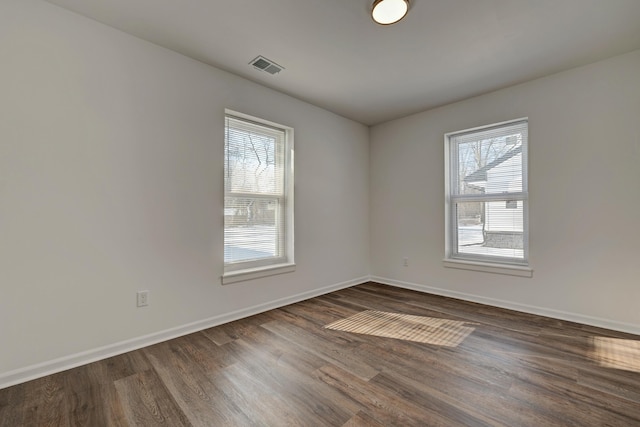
(283, 368)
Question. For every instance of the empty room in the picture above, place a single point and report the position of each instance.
(319, 213)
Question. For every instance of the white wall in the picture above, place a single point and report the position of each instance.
(111, 182)
(584, 178)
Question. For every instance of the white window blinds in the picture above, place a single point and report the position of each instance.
(487, 194)
(257, 205)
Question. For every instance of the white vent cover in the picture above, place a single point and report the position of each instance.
(264, 64)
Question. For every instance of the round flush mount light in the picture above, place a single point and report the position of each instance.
(387, 12)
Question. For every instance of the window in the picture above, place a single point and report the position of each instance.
(486, 203)
(258, 198)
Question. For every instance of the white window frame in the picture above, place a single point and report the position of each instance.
(248, 270)
(477, 262)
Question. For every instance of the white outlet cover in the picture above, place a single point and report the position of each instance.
(142, 298)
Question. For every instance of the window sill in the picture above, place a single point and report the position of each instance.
(485, 267)
(256, 273)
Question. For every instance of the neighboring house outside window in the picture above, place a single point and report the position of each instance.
(487, 199)
(258, 198)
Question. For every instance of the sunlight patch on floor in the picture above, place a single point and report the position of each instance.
(422, 329)
(616, 353)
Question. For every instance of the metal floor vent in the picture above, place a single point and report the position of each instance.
(264, 64)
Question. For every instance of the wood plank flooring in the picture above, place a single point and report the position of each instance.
(283, 368)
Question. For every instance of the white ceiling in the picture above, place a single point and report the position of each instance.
(336, 57)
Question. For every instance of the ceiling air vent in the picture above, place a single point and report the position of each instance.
(264, 64)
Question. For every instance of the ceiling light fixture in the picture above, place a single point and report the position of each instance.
(387, 12)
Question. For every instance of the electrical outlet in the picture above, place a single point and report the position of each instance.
(405, 262)
(143, 298)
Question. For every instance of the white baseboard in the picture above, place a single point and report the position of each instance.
(28, 373)
(540, 311)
